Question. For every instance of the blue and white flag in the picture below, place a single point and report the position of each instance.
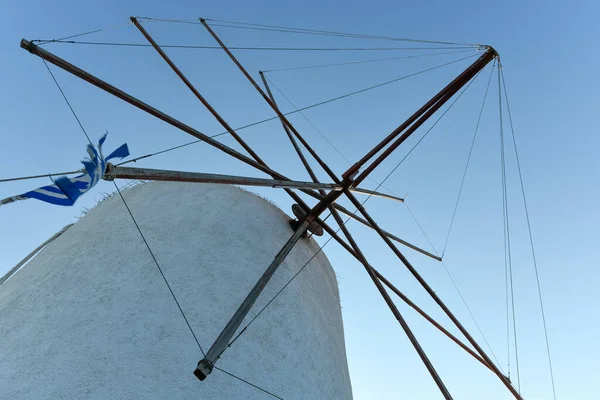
(66, 191)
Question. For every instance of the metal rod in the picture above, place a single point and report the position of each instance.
(297, 148)
(349, 249)
(455, 85)
(282, 117)
(313, 176)
(376, 194)
(430, 319)
(360, 256)
(183, 176)
(289, 133)
(453, 88)
(59, 62)
(196, 92)
(434, 296)
(205, 365)
(366, 223)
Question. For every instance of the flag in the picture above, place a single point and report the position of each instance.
(66, 191)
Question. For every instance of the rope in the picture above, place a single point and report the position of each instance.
(331, 100)
(462, 182)
(172, 46)
(22, 178)
(366, 61)
(246, 382)
(245, 25)
(132, 217)
(537, 277)
(507, 254)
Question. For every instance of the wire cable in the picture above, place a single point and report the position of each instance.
(432, 126)
(325, 33)
(246, 382)
(507, 246)
(159, 269)
(182, 46)
(323, 136)
(43, 42)
(331, 100)
(537, 277)
(457, 290)
(67, 101)
(23, 178)
(472, 316)
(132, 217)
(307, 120)
(462, 182)
(366, 61)
(246, 25)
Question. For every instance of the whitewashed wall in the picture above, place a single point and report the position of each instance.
(91, 318)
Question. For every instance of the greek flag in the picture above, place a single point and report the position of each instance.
(66, 191)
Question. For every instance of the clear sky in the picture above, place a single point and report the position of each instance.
(550, 58)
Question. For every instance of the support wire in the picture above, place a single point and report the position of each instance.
(131, 214)
(507, 247)
(537, 277)
(462, 182)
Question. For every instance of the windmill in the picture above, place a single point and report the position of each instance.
(308, 218)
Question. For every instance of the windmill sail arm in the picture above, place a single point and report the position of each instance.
(199, 177)
(376, 194)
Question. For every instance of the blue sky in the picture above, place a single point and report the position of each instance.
(549, 58)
